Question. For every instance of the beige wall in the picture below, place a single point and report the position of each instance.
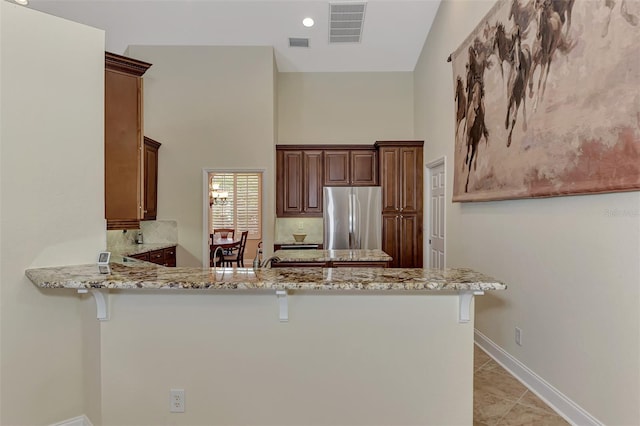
(344, 108)
(572, 268)
(52, 211)
(341, 108)
(210, 107)
(337, 361)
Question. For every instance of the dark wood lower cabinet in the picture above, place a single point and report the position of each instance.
(141, 256)
(164, 257)
(402, 240)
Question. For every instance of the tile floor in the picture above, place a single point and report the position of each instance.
(500, 399)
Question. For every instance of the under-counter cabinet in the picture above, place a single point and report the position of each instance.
(123, 141)
(165, 257)
(402, 201)
(150, 178)
(298, 183)
(352, 166)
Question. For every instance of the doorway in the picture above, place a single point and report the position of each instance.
(436, 206)
(232, 200)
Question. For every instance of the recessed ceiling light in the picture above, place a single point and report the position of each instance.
(22, 2)
(307, 22)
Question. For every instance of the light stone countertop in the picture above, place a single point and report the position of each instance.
(332, 255)
(142, 275)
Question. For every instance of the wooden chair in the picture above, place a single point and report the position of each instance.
(238, 258)
(229, 232)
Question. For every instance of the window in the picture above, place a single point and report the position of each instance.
(235, 202)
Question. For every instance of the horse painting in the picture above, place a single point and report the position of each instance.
(554, 102)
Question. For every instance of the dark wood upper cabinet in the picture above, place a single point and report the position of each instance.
(151, 148)
(364, 167)
(298, 182)
(337, 168)
(123, 141)
(350, 167)
(401, 176)
(312, 183)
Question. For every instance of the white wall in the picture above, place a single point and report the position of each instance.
(210, 107)
(52, 206)
(571, 265)
(344, 108)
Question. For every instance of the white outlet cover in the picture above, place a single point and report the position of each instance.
(176, 400)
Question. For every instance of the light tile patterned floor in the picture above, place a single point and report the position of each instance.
(500, 399)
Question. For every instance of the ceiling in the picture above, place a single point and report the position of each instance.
(393, 33)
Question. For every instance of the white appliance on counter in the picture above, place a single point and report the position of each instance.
(352, 217)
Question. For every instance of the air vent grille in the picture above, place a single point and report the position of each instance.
(298, 42)
(347, 20)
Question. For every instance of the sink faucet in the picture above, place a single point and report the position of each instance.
(267, 262)
(215, 256)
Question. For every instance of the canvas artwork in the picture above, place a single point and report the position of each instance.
(547, 100)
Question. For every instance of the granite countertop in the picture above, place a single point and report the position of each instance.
(133, 249)
(142, 275)
(332, 255)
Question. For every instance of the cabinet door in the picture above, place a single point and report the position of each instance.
(410, 244)
(364, 168)
(312, 178)
(390, 238)
(170, 257)
(410, 187)
(389, 175)
(289, 165)
(336, 168)
(157, 256)
(123, 140)
(142, 256)
(150, 178)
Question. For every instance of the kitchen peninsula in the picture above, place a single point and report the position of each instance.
(357, 346)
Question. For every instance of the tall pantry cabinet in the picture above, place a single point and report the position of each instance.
(401, 179)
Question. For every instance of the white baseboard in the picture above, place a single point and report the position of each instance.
(564, 406)
(76, 421)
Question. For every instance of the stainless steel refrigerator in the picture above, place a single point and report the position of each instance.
(352, 217)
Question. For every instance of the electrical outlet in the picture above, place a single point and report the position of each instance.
(518, 336)
(300, 226)
(176, 400)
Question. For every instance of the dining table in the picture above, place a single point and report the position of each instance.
(226, 243)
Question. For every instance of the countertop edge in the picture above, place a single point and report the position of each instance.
(326, 280)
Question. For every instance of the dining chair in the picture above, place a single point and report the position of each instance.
(238, 258)
(228, 232)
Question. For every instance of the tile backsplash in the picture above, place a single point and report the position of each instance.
(286, 227)
(153, 231)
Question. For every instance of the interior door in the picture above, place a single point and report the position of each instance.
(437, 223)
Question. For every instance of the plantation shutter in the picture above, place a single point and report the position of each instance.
(242, 210)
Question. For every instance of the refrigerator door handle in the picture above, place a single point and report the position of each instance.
(352, 221)
(356, 215)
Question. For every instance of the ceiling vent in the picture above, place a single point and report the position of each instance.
(298, 42)
(346, 21)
